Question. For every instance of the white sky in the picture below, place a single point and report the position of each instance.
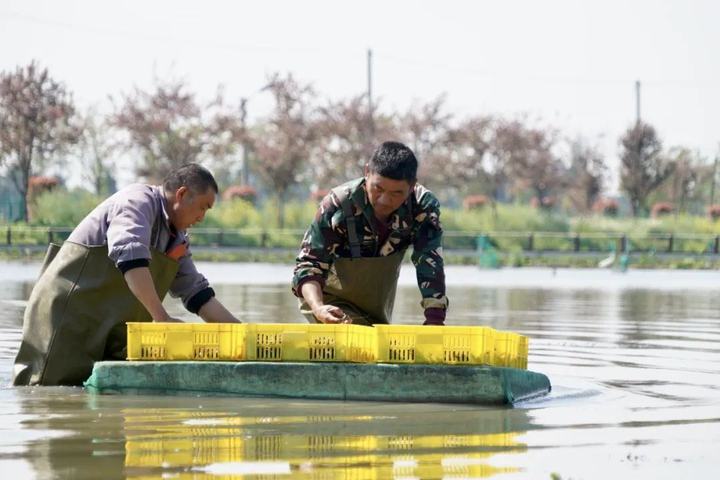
(571, 63)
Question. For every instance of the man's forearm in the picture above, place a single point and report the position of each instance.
(215, 312)
(312, 293)
(141, 285)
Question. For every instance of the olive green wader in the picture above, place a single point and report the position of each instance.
(76, 314)
(363, 287)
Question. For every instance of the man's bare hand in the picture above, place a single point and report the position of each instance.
(331, 314)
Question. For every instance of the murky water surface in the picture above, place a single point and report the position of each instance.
(634, 360)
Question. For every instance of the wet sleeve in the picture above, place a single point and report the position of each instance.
(321, 241)
(130, 224)
(428, 260)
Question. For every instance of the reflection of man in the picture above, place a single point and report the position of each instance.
(116, 267)
(349, 262)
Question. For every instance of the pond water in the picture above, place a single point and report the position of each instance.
(634, 361)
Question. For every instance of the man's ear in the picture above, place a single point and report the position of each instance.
(366, 171)
(412, 188)
(181, 193)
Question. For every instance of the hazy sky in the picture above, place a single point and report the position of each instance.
(571, 63)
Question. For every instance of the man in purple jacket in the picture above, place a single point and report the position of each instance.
(116, 267)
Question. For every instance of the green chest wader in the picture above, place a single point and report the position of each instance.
(363, 287)
(76, 314)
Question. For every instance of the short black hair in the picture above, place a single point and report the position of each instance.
(196, 178)
(394, 160)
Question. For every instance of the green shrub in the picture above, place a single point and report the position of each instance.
(63, 207)
(235, 213)
(298, 215)
(510, 218)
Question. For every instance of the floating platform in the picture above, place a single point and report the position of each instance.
(469, 384)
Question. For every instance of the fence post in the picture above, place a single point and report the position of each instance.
(9, 236)
(531, 242)
(264, 239)
(576, 242)
(671, 240)
(220, 237)
(716, 244)
(623, 243)
(50, 235)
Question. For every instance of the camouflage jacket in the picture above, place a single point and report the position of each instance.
(416, 223)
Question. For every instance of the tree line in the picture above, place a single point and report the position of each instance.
(307, 143)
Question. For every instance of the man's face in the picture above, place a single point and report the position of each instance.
(189, 208)
(385, 194)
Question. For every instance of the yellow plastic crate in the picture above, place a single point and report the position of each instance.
(327, 343)
(186, 341)
(311, 343)
(511, 350)
(434, 344)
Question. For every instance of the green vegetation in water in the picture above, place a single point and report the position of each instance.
(22, 254)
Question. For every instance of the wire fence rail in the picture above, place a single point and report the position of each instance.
(467, 242)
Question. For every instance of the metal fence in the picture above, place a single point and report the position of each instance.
(529, 243)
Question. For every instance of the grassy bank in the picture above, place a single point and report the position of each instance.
(244, 230)
(63, 208)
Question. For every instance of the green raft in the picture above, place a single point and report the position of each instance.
(482, 385)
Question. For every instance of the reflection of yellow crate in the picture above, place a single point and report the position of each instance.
(311, 343)
(194, 450)
(323, 456)
(444, 442)
(186, 341)
(523, 350)
(511, 350)
(434, 344)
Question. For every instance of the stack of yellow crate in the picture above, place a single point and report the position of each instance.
(447, 345)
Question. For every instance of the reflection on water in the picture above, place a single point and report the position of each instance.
(634, 368)
(202, 437)
(313, 446)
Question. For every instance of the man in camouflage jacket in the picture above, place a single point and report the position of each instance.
(349, 261)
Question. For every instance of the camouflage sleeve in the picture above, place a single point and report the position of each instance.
(427, 256)
(319, 244)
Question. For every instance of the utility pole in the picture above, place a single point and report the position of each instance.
(636, 205)
(245, 159)
(714, 176)
(637, 102)
(371, 121)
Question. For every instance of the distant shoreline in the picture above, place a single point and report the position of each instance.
(673, 261)
(460, 279)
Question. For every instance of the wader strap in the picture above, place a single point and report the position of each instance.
(411, 216)
(155, 233)
(347, 208)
